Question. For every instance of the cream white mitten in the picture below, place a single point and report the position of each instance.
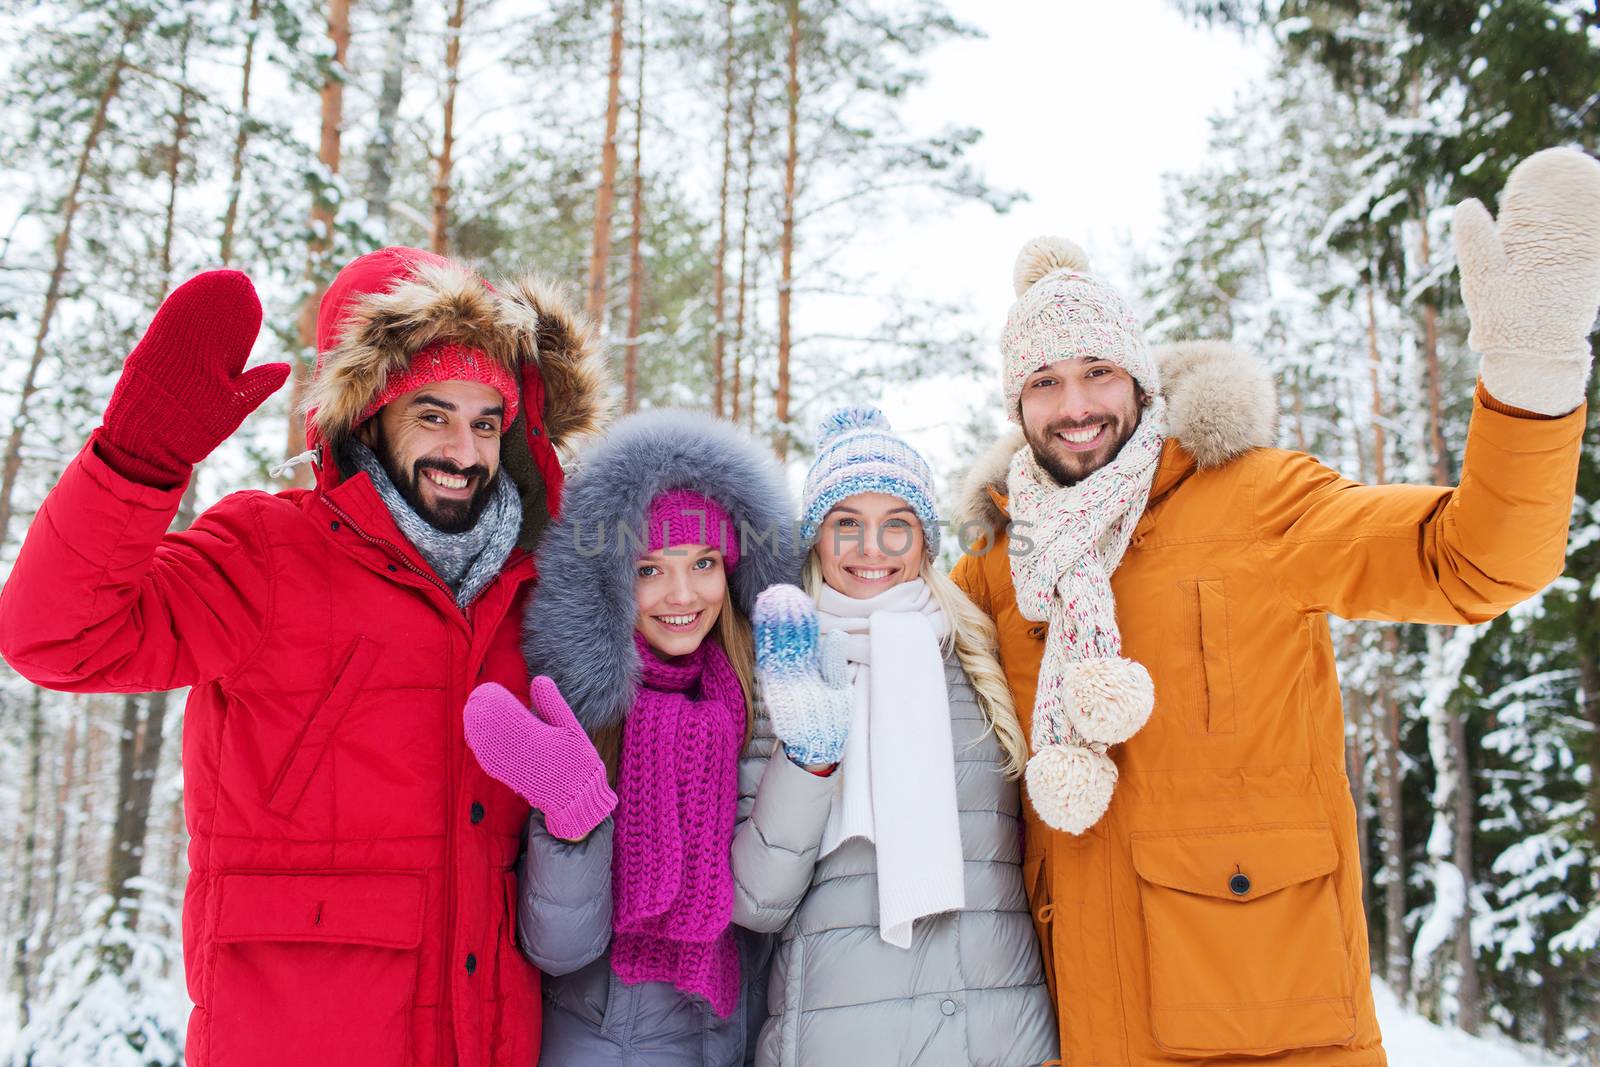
(1531, 281)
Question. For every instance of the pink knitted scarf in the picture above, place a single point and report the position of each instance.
(678, 788)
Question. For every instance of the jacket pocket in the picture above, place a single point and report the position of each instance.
(314, 968)
(517, 1012)
(289, 785)
(1245, 944)
(1206, 656)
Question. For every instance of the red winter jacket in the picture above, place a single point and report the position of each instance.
(351, 889)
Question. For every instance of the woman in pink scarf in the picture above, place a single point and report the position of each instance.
(638, 632)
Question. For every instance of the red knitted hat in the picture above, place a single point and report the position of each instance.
(448, 363)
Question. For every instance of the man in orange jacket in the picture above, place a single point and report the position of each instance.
(1161, 581)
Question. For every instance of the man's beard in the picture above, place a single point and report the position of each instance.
(446, 516)
(1070, 468)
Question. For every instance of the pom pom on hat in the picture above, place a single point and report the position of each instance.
(1046, 255)
(846, 419)
(1063, 311)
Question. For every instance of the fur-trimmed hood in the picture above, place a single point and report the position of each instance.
(580, 620)
(385, 307)
(1221, 403)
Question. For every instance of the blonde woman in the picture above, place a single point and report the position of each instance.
(884, 839)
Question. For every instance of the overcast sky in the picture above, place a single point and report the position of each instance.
(1084, 106)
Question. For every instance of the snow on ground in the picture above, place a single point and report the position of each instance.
(1410, 1040)
(1413, 1041)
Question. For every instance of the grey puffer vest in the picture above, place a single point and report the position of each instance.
(592, 1018)
(969, 990)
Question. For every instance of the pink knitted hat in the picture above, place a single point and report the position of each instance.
(446, 362)
(684, 517)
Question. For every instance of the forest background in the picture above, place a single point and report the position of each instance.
(765, 207)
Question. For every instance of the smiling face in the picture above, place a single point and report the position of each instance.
(1077, 414)
(868, 543)
(441, 448)
(679, 592)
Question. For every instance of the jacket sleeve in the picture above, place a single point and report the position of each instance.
(1432, 554)
(775, 846)
(103, 599)
(564, 898)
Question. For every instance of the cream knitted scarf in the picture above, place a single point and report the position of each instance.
(897, 777)
(1089, 696)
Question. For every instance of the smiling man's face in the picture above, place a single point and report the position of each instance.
(441, 448)
(1077, 414)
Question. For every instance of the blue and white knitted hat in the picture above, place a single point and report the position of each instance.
(858, 453)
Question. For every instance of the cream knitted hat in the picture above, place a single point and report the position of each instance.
(1064, 312)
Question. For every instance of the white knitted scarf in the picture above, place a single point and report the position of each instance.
(1089, 697)
(896, 783)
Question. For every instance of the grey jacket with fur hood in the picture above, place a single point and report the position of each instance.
(579, 631)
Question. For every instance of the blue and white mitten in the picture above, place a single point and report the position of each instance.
(806, 683)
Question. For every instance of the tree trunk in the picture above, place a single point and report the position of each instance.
(58, 836)
(21, 964)
(138, 759)
(180, 132)
(441, 183)
(630, 371)
(380, 150)
(744, 240)
(786, 242)
(123, 865)
(1470, 992)
(1397, 957)
(321, 242)
(12, 463)
(241, 137)
(755, 379)
(1453, 809)
(1374, 364)
(90, 808)
(719, 281)
(606, 196)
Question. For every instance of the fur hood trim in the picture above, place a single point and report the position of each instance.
(524, 323)
(579, 624)
(1221, 403)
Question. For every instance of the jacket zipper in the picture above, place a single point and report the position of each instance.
(394, 550)
(444, 1032)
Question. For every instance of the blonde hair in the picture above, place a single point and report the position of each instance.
(975, 642)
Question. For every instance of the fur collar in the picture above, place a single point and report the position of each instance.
(1221, 403)
(578, 628)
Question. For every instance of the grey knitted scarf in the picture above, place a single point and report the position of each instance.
(466, 561)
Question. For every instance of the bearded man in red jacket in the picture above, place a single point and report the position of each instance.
(351, 888)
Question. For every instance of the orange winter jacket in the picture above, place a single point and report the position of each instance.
(1215, 912)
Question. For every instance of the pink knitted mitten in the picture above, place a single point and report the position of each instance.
(544, 756)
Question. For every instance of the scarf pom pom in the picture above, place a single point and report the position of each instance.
(1108, 700)
(1070, 786)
